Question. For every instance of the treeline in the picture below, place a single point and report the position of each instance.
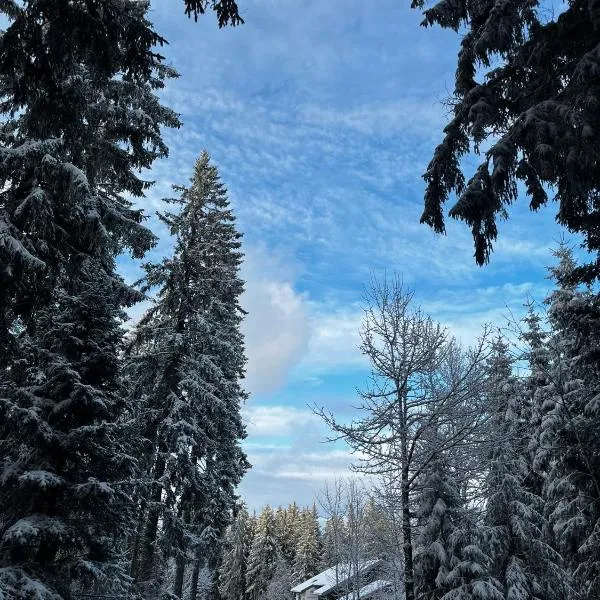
(265, 555)
(491, 454)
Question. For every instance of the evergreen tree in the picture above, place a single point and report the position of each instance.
(185, 365)
(376, 531)
(526, 80)
(226, 10)
(308, 552)
(287, 535)
(263, 557)
(537, 388)
(570, 425)
(232, 569)
(78, 82)
(467, 576)
(334, 542)
(281, 584)
(441, 511)
(523, 562)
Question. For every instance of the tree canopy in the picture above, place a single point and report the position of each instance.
(527, 90)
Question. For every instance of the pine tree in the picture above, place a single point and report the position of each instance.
(78, 82)
(185, 365)
(522, 560)
(233, 564)
(570, 425)
(525, 82)
(263, 557)
(308, 552)
(376, 531)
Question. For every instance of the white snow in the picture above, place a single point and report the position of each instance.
(328, 579)
(368, 590)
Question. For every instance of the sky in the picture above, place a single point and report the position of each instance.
(321, 117)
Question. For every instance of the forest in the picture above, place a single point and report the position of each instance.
(123, 443)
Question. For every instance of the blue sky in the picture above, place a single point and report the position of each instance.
(322, 117)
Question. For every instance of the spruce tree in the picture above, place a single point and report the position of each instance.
(570, 426)
(441, 511)
(526, 82)
(537, 388)
(232, 580)
(186, 361)
(263, 557)
(308, 552)
(227, 11)
(281, 583)
(78, 81)
(523, 562)
(467, 576)
(286, 520)
(334, 542)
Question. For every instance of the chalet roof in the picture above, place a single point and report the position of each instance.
(368, 590)
(332, 577)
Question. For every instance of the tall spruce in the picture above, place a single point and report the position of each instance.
(526, 82)
(78, 82)
(186, 361)
(570, 425)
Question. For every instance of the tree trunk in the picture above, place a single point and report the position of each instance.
(148, 543)
(137, 539)
(179, 573)
(409, 582)
(194, 582)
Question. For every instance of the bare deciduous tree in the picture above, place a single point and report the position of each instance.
(420, 379)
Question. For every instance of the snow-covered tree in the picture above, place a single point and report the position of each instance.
(522, 561)
(232, 579)
(467, 576)
(288, 524)
(263, 557)
(570, 425)
(440, 512)
(186, 362)
(81, 118)
(415, 366)
(537, 387)
(307, 557)
(525, 82)
(334, 541)
(281, 583)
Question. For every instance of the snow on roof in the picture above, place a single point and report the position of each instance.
(368, 590)
(330, 578)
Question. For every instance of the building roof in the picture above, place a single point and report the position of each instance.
(368, 590)
(332, 577)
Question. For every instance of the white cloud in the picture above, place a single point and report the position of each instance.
(276, 420)
(276, 329)
(334, 340)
